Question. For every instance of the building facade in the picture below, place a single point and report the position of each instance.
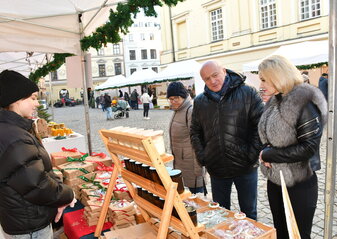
(106, 62)
(235, 32)
(142, 44)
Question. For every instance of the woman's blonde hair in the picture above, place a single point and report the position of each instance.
(281, 73)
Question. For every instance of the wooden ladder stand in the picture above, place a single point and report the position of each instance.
(142, 149)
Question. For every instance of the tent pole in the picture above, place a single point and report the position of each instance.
(85, 91)
(330, 178)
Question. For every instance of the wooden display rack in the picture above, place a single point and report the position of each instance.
(143, 148)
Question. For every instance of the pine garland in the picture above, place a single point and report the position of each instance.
(304, 67)
(119, 22)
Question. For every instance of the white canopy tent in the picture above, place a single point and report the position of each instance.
(183, 69)
(111, 82)
(23, 62)
(138, 78)
(304, 53)
(50, 26)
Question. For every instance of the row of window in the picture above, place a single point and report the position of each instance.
(142, 37)
(102, 71)
(116, 50)
(153, 54)
(146, 24)
(135, 69)
(307, 9)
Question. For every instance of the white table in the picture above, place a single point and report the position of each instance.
(75, 140)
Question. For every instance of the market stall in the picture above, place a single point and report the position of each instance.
(139, 157)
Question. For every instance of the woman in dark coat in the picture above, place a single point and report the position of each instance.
(31, 195)
(290, 129)
(184, 157)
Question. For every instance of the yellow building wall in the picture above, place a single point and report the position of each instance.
(243, 41)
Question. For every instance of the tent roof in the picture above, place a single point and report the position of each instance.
(182, 69)
(47, 25)
(304, 53)
(138, 78)
(111, 82)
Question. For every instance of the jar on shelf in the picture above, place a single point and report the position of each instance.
(154, 175)
(146, 171)
(138, 168)
(132, 165)
(176, 177)
(192, 212)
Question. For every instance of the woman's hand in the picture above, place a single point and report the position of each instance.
(266, 164)
(61, 209)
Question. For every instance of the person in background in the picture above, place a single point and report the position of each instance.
(31, 194)
(184, 157)
(101, 102)
(134, 99)
(290, 130)
(97, 102)
(323, 84)
(107, 106)
(305, 75)
(224, 135)
(127, 98)
(146, 100)
(120, 94)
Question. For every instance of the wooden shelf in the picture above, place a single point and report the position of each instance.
(157, 212)
(149, 185)
(136, 154)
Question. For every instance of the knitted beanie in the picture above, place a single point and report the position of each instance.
(14, 86)
(176, 89)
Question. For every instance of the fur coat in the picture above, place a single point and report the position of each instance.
(278, 128)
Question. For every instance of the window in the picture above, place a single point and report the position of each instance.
(142, 36)
(100, 52)
(268, 13)
(116, 49)
(153, 54)
(182, 35)
(144, 54)
(101, 70)
(216, 24)
(132, 70)
(54, 75)
(310, 9)
(155, 69)
(151, 36)
(132, 54)
(118, 68)
(130, 38)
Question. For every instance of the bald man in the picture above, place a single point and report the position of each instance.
(224, 135)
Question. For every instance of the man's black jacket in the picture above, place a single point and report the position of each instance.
(224, 134)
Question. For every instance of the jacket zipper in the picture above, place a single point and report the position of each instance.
(308, 122)
(313, 131)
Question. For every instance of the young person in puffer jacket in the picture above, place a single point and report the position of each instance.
(31, 195)
(224, 135)
(290, 129)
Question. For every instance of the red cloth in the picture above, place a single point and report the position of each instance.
(76, 226)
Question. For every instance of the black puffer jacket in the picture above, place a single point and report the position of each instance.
(224, 134)
(30, 192)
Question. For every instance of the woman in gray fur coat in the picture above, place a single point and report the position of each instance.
(290, 129)
(184, 158)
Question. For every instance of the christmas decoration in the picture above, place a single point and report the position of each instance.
(119, 22)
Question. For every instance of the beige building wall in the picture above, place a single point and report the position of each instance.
(243, 39)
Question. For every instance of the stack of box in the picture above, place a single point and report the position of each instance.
(121, 192)
(100, 161)
(76, 173)
(122, 213)
(59, 158)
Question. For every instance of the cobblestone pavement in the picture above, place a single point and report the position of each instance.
(73, 117)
